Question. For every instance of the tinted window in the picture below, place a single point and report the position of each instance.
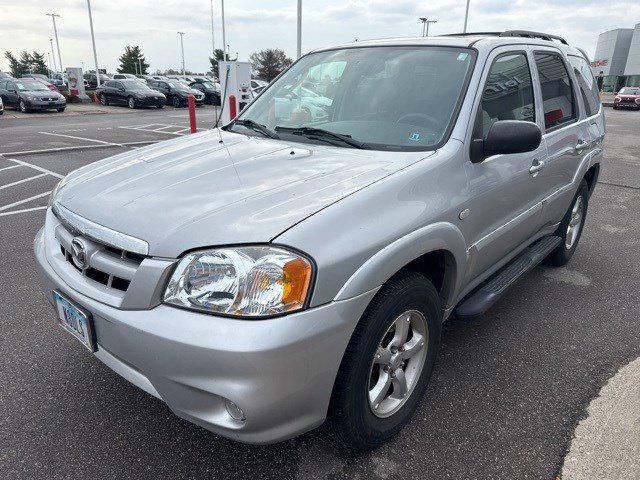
(557, 94)
(587, 84)
(110, 84)
(508, 93)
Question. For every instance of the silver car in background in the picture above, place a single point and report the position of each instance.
(297, 264)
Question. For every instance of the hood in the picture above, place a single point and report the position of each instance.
(43, 94)
(218, 188)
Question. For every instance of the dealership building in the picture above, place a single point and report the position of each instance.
(617, 59)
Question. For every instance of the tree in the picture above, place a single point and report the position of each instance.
(219, 57)
(133, 61)
(268, 64)
(27, 63)
(14, 64)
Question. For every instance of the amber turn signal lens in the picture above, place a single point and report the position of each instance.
(296, 280)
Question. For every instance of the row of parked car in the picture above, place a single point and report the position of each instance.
(39, 92)
(149, 90)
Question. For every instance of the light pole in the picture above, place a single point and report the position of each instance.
(425, 25)
(224, 37)
(213, 44)
(55, 67)
(55, 31)
(299, 50)
(466, 17)
(93, 42)
(182, 48)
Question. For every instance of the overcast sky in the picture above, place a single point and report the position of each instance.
(257, 24)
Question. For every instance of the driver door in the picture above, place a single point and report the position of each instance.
(505, 206)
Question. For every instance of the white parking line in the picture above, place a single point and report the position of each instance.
(9, 167)
(20, 202)
(24, 210)
(35, 167)
(2, 187)
(152, 131)
(82, 138)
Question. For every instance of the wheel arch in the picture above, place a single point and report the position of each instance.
(437, 251)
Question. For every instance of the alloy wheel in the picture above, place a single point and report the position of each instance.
(397, 363)
(575, 222)
(132, 102)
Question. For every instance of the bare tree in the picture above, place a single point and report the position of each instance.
(268, 63)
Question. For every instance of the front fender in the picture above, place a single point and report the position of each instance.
(388, 261)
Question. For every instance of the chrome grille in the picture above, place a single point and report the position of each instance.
(104, 264)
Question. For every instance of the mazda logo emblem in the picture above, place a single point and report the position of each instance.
(78, 253)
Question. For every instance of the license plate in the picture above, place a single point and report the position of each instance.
(75, 320)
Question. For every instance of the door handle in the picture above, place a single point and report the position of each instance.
(581, 145)
(536, 167)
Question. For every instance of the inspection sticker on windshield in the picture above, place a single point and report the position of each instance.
(462, 56)
(415, 137)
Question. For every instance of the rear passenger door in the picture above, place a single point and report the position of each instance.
(506, 205)
(565, 131)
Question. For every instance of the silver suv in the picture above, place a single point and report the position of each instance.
(297, 264)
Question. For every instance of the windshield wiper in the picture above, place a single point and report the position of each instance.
(257, 127)
(322, 134)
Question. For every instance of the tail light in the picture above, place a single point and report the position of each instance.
(637, 100)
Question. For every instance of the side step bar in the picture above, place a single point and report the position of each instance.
(481, 299)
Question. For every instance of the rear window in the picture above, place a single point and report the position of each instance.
(587, 84)
(557, 93)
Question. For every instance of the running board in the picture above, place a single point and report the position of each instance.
(489, 292)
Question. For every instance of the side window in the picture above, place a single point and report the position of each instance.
(557, 93)
(587, 84)
(508, 93)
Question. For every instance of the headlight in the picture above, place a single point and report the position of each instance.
(252, 281)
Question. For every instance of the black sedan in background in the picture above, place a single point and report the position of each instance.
(132, 93)
(176, 92)
(211, 93)
(27, 95)
(92, 81)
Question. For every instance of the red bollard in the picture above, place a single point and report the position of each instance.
(233, 109)
(191, 102)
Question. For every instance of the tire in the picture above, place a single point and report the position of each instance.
(22, 106)
(159, 107)
(570, 237)
(615, 107)
(351, 411)
(103, 99)
(60, 110)
(176, 102)
(131, 102)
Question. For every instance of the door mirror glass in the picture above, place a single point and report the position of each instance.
(507, 137)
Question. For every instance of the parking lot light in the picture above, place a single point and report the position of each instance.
(55, 31)
(182, 48)
(93, 42)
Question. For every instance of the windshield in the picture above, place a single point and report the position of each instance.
(134, 85)
(208, 85)
(31, 87)
(178, 86)
(630, 91)
(401, 98)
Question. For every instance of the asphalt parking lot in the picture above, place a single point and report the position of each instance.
(506, 394)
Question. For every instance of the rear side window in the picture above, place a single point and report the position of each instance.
(557, 94)
(508, 93)
(587, 84)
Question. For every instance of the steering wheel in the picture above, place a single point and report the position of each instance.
(432, 122)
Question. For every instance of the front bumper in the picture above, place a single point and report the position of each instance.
(280, 371)
(45, 105)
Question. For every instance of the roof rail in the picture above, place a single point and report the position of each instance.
(510, 33)
(528, 34)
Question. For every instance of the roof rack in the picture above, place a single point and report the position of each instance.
(511, 33)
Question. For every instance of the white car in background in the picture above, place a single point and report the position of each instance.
(1, 107)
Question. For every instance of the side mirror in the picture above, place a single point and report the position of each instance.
(505, 137)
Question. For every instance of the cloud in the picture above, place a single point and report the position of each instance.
(255, 25)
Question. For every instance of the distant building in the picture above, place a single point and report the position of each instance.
(617, 59)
